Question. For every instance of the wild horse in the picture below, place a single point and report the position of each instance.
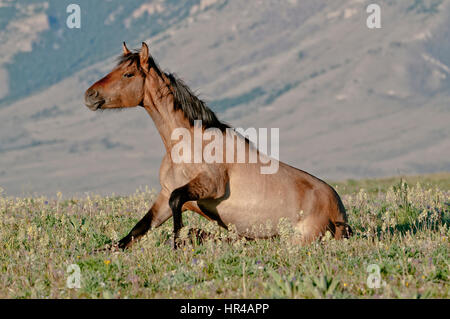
(229, 192)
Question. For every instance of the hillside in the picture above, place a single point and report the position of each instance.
(350, 102)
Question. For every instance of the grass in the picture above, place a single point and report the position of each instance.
(373, 186)
(400, 226)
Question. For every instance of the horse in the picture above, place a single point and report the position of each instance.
(229, 192)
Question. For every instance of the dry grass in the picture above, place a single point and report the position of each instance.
(401, 227)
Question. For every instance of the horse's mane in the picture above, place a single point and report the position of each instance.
(184, 99)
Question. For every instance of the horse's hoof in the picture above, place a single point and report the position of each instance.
(121, 246)
(125, 242)
(177, 243)
(116, 247)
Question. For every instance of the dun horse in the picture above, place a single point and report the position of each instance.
(230, 193)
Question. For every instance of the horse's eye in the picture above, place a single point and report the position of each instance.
(128, 75)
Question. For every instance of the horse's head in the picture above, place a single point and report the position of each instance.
(124, 86)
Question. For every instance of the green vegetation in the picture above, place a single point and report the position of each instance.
(400, 225)
(381, 185)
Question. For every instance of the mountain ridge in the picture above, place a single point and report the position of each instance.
(350, 102)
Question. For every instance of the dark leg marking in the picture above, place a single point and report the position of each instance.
(176, 201)
(139, 230)
(201, 187)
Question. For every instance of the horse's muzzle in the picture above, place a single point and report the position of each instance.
(93, 100)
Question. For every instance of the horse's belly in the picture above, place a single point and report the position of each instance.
(259, 202)
(252, 217)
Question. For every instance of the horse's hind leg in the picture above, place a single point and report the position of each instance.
(192, 206)
(197, 235)
(307, 233)
(312, 228)
(343, 230)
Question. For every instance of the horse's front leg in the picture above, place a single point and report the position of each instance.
(201, 187)
(156, 216)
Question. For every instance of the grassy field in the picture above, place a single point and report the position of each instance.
(400, 226)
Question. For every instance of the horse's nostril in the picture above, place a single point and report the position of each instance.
(91, 96)
(92, 93)
(93, 99)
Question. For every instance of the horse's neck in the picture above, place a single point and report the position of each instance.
(164, 115)
(166, 120)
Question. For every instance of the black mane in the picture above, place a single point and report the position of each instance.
(184, 99)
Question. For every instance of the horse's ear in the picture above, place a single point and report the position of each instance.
(125, 49)
(143, 56)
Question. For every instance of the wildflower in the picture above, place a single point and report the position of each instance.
(345, 284)
(107, 262)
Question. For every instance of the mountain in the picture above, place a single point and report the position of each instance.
(349, 101)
